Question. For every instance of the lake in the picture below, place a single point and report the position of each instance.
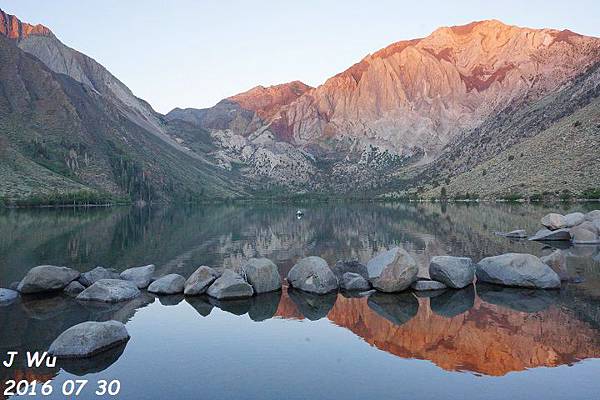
(482, 342)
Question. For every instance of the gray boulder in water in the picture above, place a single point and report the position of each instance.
(168, 284)
(88, 339)
(455, 272)
(574, 219)
(548, 235)
(554, 221)
(353, 281)
(593, 215)
(343, 266)
(141, 276)
(313, 275)
(262, 274)
(558, 262)
(7, 296)
(230, 286)
(110, 291)
(199, 281)
(87, 279)
(584, 236)
(514, 269)
(392, 271)
(47, 278)
(427, 284)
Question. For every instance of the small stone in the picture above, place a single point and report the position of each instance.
(343, 266)
(423, 284)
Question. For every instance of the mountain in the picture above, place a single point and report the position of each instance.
(381, 126)
(70, 131)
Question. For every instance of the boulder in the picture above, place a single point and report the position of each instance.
(516, 234)
(454, 272)
(392, 271)
(110, 291)
(592, 226)
(87, 279)
(74, 288)
(548, 235)
(199, 281)
(558, 262)
(230, 286)
(168, 284)
(583, 236)
(89, 338)
(7, 296)
(141, 276)
(343, 266)
(262, 274)
(427, 284)
(514, 269)
(354, 281)
(312, 274)
(574, 219)
(593, 215)
(47, 278)
(554, 221)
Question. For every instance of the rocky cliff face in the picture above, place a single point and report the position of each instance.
(13, 28)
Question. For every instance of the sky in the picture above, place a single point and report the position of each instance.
(188, 53)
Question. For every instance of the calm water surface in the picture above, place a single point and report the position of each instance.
(479, 343)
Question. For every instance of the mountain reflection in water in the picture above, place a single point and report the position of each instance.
(483, 329)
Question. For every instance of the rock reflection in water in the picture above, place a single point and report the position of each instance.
(453, 302)
(90, 365)
(518, 299)
(200, 304)
(234, 306)
(264, 306)
(312, 306)
(170, 300)
(396, 308)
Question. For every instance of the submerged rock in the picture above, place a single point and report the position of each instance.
(47, 278)
(398, 308)
(141, 276)
(230, 286)
(454, 272)
(199, 281)
(392, 271)
(343, 266)
(89, 278)
(312, 274)
(574, 219)
(7, 296)
(516, 234)
(353, 281)
(110, 291)
(89, 338)
(514, 269)
(427, 284)
(548, 235)
(262, 274)
(554, 221)
(74, 288)
(168, 284)
(453, 302)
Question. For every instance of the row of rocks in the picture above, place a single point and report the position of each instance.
(576, 227)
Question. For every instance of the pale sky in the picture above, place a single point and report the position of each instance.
(188, 53)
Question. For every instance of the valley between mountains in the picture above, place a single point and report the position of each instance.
(484, 110)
